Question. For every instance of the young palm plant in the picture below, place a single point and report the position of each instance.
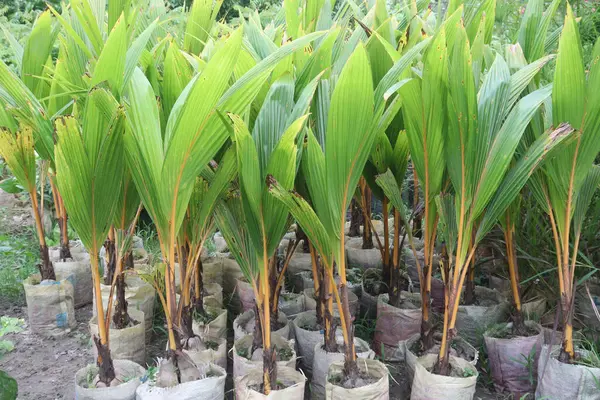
(17, 150)
(127, 211)
(89, 163)
(478, 152)
(271, 149)
(165, 161)
(27, 127)
(268, 151)
(425, 130)
(197, 227)
(354, 118)
(337, 171)
(532, 42)
(390, 150)
(566, 187)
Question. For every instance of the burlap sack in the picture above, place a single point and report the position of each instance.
(306, 339)
(396, 324)
(246, 295)
(512, 360)
(355, 288)
(368, 301)
(534, 309)
(210, 388)
(322, 360)
(428, 386)
(302, 280)
(50, 310)
(500, 284)
(81, 273)
(243, 365)
(141, 256)
(231, 273)
(128, 371)
(561, 381)
(310, 303)
(125, 344)
(214, 290)
(583, 305)
(299, 262)
(437, 286)
(212, 272)
(78, 252)
(291, 304)
(291, 378)
(220, 243)
(244, 325)
(358, 257)
(459, 348)
(472, 321)
(216, 356)
(379, 390)
(215, 329)
(368, 304)
(140, 296)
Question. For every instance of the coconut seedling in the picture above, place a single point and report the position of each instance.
(89, 164)
(165, 171)
(270, 150)
(337, 172)
(166, 161)
(356, 112)
(478, 153)
(568, 182)
(425, 131)
(17, 150)
(27, 127)
(390, 150)
(127, 212)
(533, 35)
(198, 226)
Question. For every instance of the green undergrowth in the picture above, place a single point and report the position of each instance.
(19, 256)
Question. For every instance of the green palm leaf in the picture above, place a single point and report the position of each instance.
(90, 170)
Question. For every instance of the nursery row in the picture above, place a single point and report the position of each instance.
(276, 140)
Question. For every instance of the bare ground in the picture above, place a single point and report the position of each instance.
(45, 367)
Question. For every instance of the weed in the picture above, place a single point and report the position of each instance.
(9, 325)
(243, 352)
(90, 376)
(528, 361)
(150, 374)
(364, 328)
(285, 354)
(18, 258)
(205, 318)
(211, 345)
(151, 243)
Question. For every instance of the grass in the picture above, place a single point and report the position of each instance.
(364, 328)
(151, 243)
(589, 351)
(18, 259)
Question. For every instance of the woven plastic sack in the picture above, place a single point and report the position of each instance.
(128, 371)
(427, 385)
(50, 304)
(293, 379)
(125, 344)
(210, 388)
(378, 390)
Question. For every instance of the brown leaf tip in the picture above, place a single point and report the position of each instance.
(271, 181)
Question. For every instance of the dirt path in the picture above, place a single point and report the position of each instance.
(45, 368)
